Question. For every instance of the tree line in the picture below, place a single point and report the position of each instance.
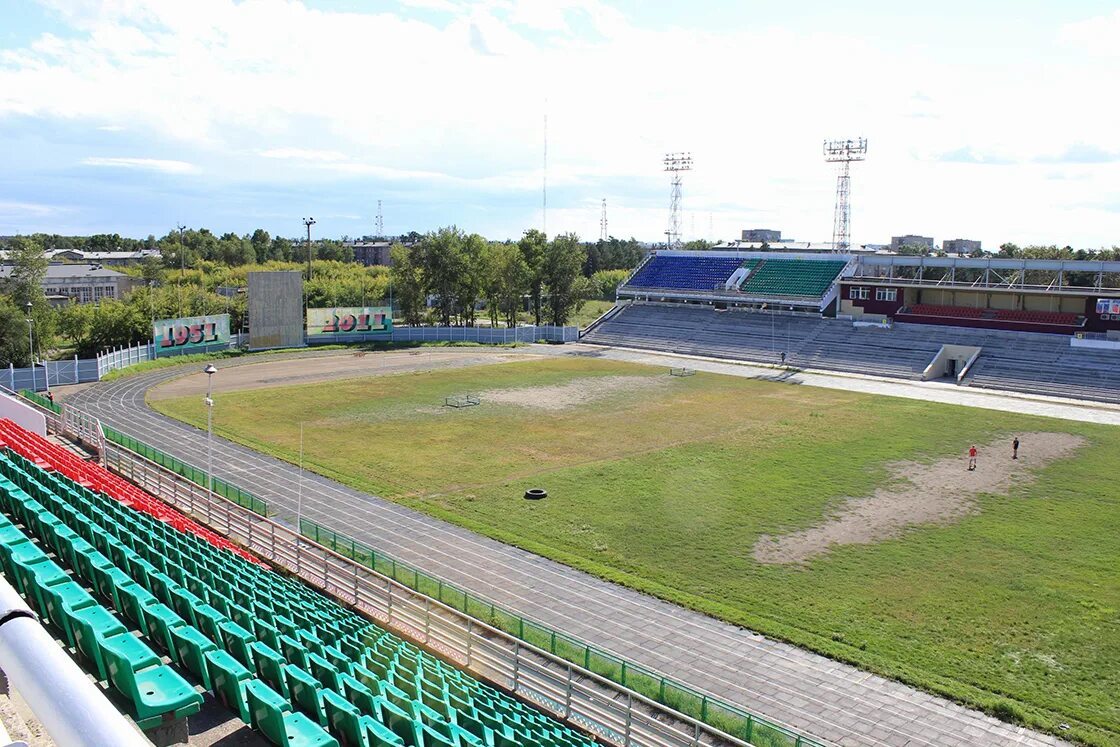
(443, 277)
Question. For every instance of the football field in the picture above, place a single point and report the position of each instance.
(843, 522)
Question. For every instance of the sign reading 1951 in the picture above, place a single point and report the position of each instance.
(190, 332)
(361, 320)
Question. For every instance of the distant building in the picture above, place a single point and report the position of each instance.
(761, 234)
(960, 246)
(82, 283)
(912, 242)
(371, 252)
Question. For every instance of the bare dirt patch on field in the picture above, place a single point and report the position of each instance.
(571, 394)
(328, 368)
(939, 493)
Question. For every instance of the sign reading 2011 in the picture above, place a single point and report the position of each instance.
(363, 320)
(190, 332)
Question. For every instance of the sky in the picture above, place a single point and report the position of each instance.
(995, 123)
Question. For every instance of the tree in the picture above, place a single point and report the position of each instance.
(13, 335)
(443, 263)
(407, 275)
(471, 277)
(262, 244)
(151, 269)
(29, 269)
(562, 267)
(281, 249)
(532, 246)
(506, 281)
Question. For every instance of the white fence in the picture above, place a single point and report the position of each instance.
(80, 371)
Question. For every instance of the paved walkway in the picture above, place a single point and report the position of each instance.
(824, 698)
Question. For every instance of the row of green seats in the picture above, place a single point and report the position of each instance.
(261, 635)
(114, 655)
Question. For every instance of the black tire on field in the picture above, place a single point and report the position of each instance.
(535, 494)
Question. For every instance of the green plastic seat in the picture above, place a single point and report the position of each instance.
(37, 576)
(107, 580)
(270, 667)
(351, 728)
(324, 672)
(367, 678)
(236, 640)
(227, 679)
(363, 698)
(133, 599)
(272, 715)
(400, 722)
(159, 621)
(157, 692)
(184, 603)
(89, 559)
(189, 649)
(209, 620)
(63, 597)
(89, 625)
(304, 693)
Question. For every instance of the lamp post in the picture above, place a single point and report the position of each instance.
(309, 222)
(30, 344)
(210, 370)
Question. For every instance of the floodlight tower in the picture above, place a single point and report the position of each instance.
(603, 222)
(380, 222)
(675, 163)
(843, 152)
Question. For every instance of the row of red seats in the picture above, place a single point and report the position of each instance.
(961, 312)
(1038, 317)
(49, 456)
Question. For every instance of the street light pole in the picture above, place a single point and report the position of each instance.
(182, 267)
(30, 344)
(210, 370)
(309, 222)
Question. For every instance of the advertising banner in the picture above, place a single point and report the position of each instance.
(1110, 306)
(173, 335)
(349, 320)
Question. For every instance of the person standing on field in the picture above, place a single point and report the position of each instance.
(1015, 448)
(971, 458)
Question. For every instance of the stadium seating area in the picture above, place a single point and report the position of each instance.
(160, 614)
(792, 277)
(1053, 318)
(695, 273)
(1036, 363)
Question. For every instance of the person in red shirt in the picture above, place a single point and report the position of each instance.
(971, 458)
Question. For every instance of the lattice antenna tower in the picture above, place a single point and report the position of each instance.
(380, 222)
(675, 163)
(603, 222)
(843, 152)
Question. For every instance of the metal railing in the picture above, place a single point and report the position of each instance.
(598, 705)
(184, 487)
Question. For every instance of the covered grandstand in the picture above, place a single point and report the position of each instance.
(806, 282)
(1035, 326)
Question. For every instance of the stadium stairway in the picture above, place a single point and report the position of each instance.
(159, 615)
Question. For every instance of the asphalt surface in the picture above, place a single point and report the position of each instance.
(810, 693)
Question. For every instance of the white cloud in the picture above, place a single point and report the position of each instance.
(10, 209)
(459, 103)
(1096, 35)
(144, 164)
(303, 154)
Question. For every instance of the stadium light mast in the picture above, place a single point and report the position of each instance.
(380, 222)
(843, 152)
(675, 163)
(603, 222)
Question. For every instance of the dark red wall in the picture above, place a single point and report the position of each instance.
(1093, 321)
(870, 305)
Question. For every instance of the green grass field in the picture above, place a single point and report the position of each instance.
(666, 487)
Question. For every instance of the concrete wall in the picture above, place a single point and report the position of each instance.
(275, 310)
(22, 414)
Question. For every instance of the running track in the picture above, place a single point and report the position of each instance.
(810, 693)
